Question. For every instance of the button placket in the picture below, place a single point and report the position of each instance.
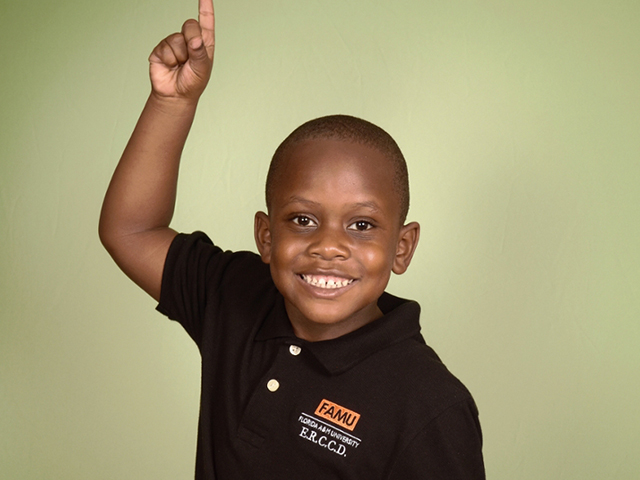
(266, 407)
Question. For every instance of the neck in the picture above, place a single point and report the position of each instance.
(312, 331)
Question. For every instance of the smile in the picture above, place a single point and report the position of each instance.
(324, 281)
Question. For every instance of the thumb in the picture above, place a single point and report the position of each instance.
(198, 58)
(199, 61)
(197, 51)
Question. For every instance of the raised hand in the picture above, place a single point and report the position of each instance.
(180, 66)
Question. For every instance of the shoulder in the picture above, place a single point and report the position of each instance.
(196, 253)
(440, 427)
(414, 371)
(422, 381)
(422, 413)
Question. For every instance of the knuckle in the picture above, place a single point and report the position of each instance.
(175, 39)
(191, 28)
(189, 24)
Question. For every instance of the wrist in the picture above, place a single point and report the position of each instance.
(175, 106)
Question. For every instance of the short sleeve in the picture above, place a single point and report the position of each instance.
(201, 283)
(448, 448)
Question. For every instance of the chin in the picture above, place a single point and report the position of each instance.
(325, 318)
(341, 319)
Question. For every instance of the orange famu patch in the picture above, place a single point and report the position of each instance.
(339, 415)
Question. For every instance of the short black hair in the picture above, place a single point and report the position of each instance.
(348, 128)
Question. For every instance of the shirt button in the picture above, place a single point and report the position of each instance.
(294, 350)
(273, 385)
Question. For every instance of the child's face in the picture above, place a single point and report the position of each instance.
(333, 236)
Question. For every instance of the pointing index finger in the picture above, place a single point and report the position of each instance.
(206, 19)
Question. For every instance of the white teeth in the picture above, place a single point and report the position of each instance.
(326, 282)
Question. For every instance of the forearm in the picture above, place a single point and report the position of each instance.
(142, 192)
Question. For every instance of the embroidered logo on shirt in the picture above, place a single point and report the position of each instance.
(339, 415)
(327, 436)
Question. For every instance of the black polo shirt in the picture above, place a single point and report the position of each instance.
(374, 404)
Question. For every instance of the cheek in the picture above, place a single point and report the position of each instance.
(285, 250)
(378, 257)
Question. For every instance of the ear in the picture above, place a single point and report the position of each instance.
(407, 243)
(262, 234)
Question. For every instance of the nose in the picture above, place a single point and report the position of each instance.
(329, 244)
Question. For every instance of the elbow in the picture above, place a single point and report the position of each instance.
(107, 234)
(105, 238)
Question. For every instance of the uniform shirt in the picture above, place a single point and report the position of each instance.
(376, 403)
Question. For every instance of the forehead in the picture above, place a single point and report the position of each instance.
(338, 169)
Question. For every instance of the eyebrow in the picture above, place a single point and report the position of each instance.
(371, 205)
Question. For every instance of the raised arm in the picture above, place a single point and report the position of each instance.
(139, 203)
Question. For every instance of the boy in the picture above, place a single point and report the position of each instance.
(309, 369)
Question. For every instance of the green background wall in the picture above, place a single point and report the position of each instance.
(520, 121)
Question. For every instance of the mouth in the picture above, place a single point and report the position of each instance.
(326, 281)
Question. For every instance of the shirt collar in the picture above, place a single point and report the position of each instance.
(399, 322)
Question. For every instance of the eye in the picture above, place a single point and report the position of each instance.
(360, 225)
(303, 221)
